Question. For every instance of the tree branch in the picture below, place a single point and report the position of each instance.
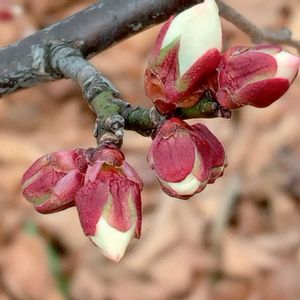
(26, 63)
(256, 34)
(92, 30)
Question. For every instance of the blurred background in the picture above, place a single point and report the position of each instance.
(239, 239)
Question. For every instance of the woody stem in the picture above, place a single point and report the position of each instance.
(114, 114)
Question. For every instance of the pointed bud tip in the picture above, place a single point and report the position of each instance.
(287, 65)
(110, 241)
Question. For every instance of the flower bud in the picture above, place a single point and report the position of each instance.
(255, 76)
(109, 203)
(51, 183)
(185, 158)
(185, 54)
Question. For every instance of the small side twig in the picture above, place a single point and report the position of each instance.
(113, 113)
(256, 34)
(69, 63)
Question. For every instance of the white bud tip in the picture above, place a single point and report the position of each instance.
(287, 65)
(199, 29)
(187, 186)
(112, 242)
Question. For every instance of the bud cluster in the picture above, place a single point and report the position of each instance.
(184, 65)
(187, 61)
(100, 183)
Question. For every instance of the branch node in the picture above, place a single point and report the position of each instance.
(59, 50)
(155, 117)
(96, 84)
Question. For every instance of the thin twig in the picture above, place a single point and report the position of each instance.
(256, 34)
(114, 114)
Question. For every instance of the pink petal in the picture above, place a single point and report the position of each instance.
(164, 107)
(168, 63)
(92, 172)
(80, 161)
(168, 71)
(199, 71)
(63, 160)
(89, 202)
(154, 56)
(109, 155)
(227, 99)
(202, 169)
(173, 157)
(63, 193)
(218, 153)
(121, 216)
(262, 93)
(245, 68)
(68, 186)
(132, 175)
(180, 99)
(50, 206)
(136, 195)
(34, 168)
(42, 183)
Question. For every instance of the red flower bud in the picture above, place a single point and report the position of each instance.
(255, 76)
(109, 203)
(185, 158)
(51, 183)
(185, 54)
